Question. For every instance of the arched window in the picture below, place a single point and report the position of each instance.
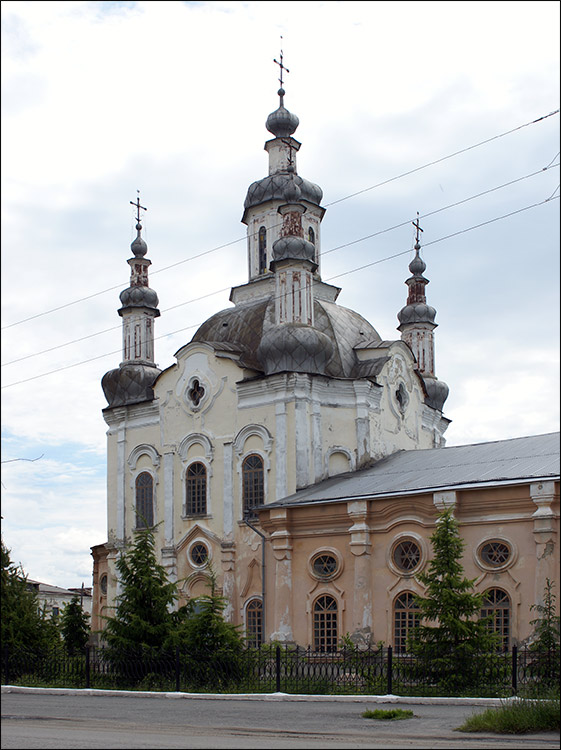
(144, 500)
(405, 617)
(496, 602)
(262, 249)
(311, 236)
(253, 484)
(325, 624)
(254, 623)
(195, 497)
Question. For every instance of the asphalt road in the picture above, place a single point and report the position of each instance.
(45, 720)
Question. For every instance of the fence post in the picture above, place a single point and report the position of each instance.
(278, 667)
(87, 666)
(514, 670)
(390, 669)
(177, 669)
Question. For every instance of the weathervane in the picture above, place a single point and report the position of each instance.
(138, 206)
(281, 66)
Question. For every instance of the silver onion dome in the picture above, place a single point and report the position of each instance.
(282, 123)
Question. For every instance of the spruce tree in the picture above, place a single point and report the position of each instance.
(24, 628)
(143, 623)
(454, 646)
(545, 645)
(74, 626)
(212, 648)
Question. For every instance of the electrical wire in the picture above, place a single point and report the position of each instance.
(344, 273)
(338, 247)
(340, 200)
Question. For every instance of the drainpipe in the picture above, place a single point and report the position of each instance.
(252, 527)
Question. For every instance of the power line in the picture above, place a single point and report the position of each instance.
(340, 200)
(344, 273)
(443, 158)
(339, 247)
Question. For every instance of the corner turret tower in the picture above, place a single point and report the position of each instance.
(416, 324)
(132, 381)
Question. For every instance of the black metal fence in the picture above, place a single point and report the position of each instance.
(287, 669)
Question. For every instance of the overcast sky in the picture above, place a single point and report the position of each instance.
(101, 99)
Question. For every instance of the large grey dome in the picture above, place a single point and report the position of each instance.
(243, 327)
(293, 347)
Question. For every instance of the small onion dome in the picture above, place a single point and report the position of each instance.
(138, 246)
(282, 123)
(129, 384)
(293, 248)
(417, 313)
(417, 265)
(437, 392)
(293, 347)
(139, 296)
(292, 192)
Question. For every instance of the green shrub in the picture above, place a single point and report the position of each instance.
(518, 717)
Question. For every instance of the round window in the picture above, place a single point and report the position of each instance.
(325, 565)
(103, 584)
(495, 554)
(406, 555)
(199, 554)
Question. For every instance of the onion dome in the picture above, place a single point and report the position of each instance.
(139, 296)
(437, 392)
(273, 188)
(416, 313)
(282, 123)
(293, 347)
(139, 247)
(130, 383)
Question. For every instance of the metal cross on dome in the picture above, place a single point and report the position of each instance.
(138, 206)
(281, 66)
(417, 227)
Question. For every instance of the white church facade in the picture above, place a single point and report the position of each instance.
(303, 456)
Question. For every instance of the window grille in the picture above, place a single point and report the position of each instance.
(325, 566)
(253, 484)
(496, 602)
(406, 617)
(144, 501)
(495, 554)
(254, 623)
(406, 555)
(199, 554)
(195, 504)
(325, 624)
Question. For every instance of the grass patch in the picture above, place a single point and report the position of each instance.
(391, 714)
(519, 717)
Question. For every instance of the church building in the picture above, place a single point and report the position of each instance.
(302, 456)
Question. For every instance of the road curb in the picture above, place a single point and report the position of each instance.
(413, 700)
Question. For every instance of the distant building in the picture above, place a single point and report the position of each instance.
(53, 599)
(303, 455)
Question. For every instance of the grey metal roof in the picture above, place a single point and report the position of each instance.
(526, 458)
(244, 326)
